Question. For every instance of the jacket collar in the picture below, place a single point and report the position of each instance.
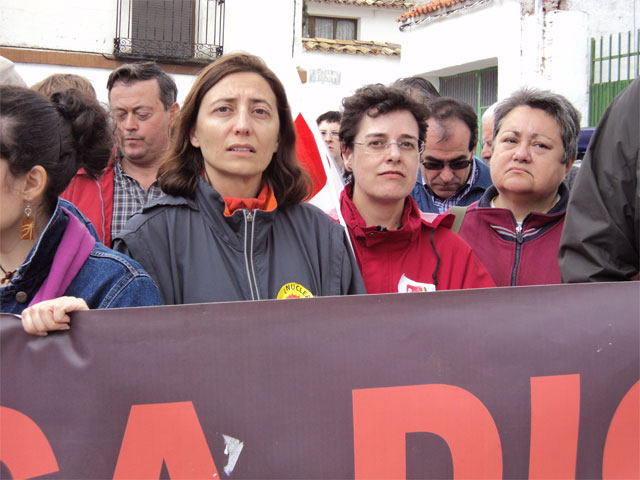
(536, 218)
(371, 235)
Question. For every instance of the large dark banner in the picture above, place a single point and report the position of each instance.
(528, 382)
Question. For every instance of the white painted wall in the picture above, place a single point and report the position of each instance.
(550, 52)
(77, 25)
(488, 35)
(354, 70)
(34, 72)
(610, 16)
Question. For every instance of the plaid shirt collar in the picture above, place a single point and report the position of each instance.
(128, 196)
(444, 204)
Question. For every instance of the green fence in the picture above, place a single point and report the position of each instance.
(615, 63)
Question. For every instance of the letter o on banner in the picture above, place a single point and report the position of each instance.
(382, 417)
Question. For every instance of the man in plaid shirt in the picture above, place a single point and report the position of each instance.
(142, 100)
(450, 174)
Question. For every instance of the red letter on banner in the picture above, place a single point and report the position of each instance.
(24, 449)
(168, 432)
(382, 417)
(621, 457)
(555, 420)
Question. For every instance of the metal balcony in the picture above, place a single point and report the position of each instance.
(184, 31)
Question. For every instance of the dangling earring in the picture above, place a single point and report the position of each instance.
(28, 224)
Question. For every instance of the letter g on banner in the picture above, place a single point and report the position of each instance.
(382, 417)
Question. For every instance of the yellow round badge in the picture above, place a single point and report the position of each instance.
(294, 290)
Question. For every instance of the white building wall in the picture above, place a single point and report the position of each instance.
(256, 26)
(610, 16)
(353, 72)
(549, 51)
(76, 25)
(485, 36)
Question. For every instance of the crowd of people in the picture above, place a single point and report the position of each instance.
(153, 203)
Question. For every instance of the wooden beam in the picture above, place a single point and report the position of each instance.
(90, 60)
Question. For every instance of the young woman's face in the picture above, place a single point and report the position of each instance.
(237, 131)
(389, 174)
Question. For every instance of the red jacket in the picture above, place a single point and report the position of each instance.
(528, 257)
(94, 198)
(405, 260)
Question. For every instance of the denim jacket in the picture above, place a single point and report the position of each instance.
(107, 279)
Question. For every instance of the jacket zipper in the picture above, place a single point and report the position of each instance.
(249, 224)
(519, 240)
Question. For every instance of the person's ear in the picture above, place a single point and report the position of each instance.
(568, 166)
(193, 138)
(35, 183)
(347, 157)
(174, 111)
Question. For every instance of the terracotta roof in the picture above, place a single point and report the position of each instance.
(429, 8)
(372, 3)
(351, 46)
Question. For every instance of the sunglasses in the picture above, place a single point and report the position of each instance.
(438, 165)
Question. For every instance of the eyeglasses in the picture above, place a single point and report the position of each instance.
(407, 147)
(333, 133)
(438, 165)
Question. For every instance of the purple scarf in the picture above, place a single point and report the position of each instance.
(73, 251)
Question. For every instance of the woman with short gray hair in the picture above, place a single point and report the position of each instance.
(515, 227)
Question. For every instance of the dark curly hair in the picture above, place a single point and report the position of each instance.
(67, 132)
(374, 100)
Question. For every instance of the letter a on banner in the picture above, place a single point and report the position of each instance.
(168, 432)
(24, 449)
(382, 417)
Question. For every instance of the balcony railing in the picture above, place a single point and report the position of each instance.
(186, 31)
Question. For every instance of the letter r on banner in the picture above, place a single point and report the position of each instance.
(168, 432)
(382, 417)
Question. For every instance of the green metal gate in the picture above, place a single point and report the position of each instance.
(478, 88)
(614, 65)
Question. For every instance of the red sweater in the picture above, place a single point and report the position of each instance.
(94, 198)
(404, 260)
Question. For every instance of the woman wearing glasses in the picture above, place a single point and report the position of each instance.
(515, 227)
(398, 249)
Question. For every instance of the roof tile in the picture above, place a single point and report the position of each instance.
(429, 8)
(352, 47)
(372, 3)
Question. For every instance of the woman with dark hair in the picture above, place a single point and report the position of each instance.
(233, 225)
(398, 248)
(50, 263)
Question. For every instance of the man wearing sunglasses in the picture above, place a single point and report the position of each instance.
(449, 174)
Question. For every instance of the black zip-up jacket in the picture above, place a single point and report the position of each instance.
(196, 254)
